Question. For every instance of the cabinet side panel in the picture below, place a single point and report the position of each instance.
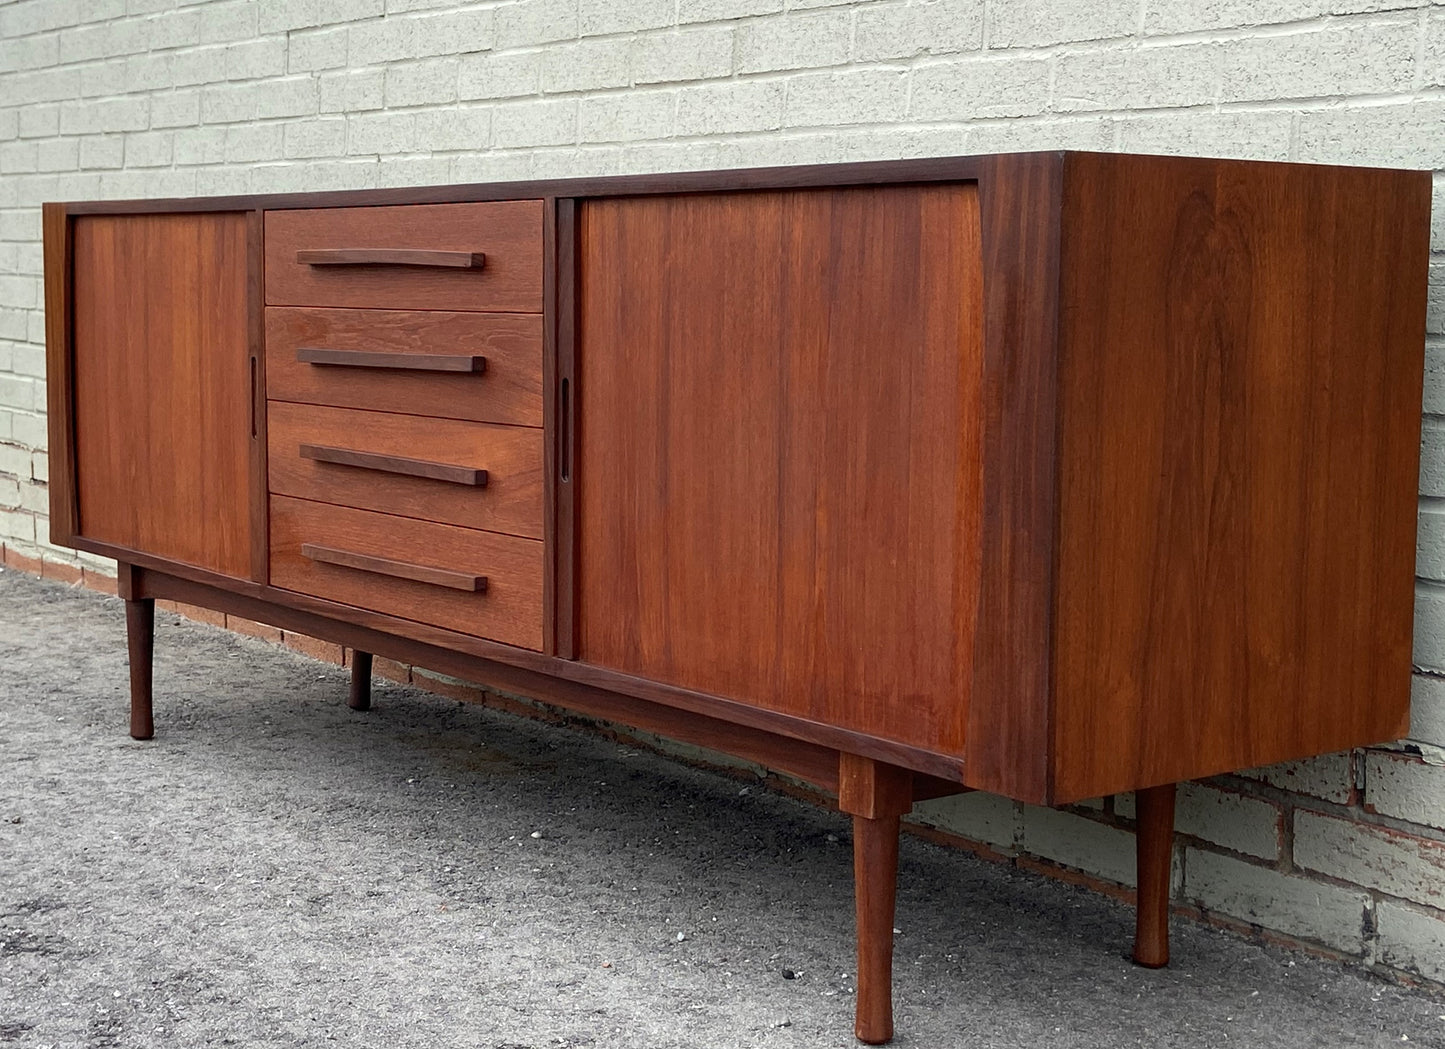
(1240, 380)
(163, 386)
(779, 463)
(58, 372)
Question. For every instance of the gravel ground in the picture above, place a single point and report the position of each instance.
(276, 870)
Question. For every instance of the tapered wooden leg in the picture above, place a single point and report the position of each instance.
(875, 882)
(140, 636)
(876, 795)
(360, 698)
(1154, 854)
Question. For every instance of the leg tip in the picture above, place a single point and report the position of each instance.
(1149, 960)
(873, 1032)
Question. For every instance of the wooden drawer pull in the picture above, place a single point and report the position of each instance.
(396, 569)
(413, 362)
(395, 464)
(455, 260)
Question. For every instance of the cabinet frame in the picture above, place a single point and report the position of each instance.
(1031, 207)
(1022, 199)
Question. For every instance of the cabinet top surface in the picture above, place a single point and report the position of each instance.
(925, 169)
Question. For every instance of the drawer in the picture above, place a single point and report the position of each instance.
(408, 361)
(416, 257)
(476, 475)
(461, 579)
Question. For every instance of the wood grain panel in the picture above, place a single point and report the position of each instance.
(507, 390)
(508, 233)
(509, 610)
(779, 459)
(510, 501)
(1240, 382)
(163, 387)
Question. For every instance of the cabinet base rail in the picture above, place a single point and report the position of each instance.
(875, 794)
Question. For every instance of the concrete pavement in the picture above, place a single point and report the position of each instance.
(276, 870)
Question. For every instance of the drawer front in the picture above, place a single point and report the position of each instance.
(408, 361)
(461, 579)
(416, 257)
(475, 475)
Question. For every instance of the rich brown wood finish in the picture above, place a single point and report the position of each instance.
(877, 796)
(509, 501)
(130, 579)
(1240, 381)
(1154, 858)
(507, 390)
(508, 610)
(875, 886)
(780, 478)
(162, 386)
(59, 370)
(359, 695)
(457, 260)
(508, 233)
(1007, 746)
(1052, 475)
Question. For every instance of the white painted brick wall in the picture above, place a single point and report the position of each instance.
(122, 98)
(1265, 897)
(1427, 710)
(1411, 939)
(1229, 819)
(1078, 842)
(1406, 789)
(982, 817)
(1329, 777)
(1375, 857)
(1429, 646)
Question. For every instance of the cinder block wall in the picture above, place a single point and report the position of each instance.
(137, 98)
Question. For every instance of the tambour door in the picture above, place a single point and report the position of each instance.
(162, 396)
(779, 461)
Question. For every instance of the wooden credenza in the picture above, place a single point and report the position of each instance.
(1053, 475)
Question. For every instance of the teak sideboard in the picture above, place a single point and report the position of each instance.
(1054, 475)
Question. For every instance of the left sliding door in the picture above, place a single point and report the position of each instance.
(162, 379)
